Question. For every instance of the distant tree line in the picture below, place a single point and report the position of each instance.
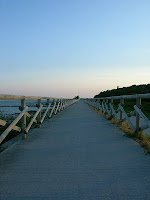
(76, 97)
(134, 89)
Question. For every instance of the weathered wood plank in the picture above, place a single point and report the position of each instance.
(45, 113)
(121, 112)
(52, 110)
(57, 108)
(60, 106)
(113, 112)
(16, 128)
(107, 110)
(138, 104)
(23, 120)
(126, 117)
(10, 127)
(33, 119)
(146, 120)
(27, 114)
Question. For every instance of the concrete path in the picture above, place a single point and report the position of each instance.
(77, 155)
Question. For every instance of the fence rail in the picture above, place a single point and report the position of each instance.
(50, 108)
(106, 105)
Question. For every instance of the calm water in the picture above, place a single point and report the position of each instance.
(13, 110)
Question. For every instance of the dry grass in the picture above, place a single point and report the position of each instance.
(100, 112)
(124, 126)
(142, 139)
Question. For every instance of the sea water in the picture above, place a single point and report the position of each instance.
(11, 107)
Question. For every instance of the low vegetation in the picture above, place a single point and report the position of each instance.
(143, 139)
(131, 90)
(9, 120)
(129, 103)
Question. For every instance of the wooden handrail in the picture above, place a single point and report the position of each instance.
(33, 119)
(37, 118)
(10, 127)
(103, 103)
(45, 113)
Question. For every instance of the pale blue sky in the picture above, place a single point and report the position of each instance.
(63, 48)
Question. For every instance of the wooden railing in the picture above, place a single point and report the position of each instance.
(52, 106)
(106, 105)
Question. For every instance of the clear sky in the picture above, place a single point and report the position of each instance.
(63, 48)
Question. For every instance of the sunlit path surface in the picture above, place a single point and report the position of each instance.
(77, 155)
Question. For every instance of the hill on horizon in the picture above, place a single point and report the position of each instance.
(134, 89)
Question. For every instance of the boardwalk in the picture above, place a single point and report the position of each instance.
(77, 155)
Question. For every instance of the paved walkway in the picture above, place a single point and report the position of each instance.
(77, 155)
